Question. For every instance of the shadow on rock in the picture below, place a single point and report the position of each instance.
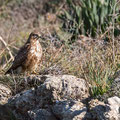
(6, 113)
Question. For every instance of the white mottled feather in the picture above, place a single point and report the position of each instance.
(36, 49)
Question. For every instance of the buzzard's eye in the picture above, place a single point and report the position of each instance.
(35, 36)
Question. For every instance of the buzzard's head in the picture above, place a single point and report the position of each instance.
(33, 37)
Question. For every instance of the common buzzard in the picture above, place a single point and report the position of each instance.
(28, 57)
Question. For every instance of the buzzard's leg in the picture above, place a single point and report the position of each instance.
(34, 72)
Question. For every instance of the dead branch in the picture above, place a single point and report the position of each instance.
(5, 44)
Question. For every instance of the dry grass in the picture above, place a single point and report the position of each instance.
(91, 59)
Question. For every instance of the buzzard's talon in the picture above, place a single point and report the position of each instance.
(34, 72)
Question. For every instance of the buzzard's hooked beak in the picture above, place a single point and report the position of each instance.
(40, 37)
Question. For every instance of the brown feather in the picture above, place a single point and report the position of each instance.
(19, 58)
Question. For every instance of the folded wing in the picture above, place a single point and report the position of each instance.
(20, 58)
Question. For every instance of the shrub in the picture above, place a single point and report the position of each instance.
(87, 16)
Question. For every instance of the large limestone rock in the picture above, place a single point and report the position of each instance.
(54, 88)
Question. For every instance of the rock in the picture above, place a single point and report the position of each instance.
(5, 93)
(64, 87)
(115, 87)
(114, 108)
(6, 113)
(54, 88)
(41, 114)
(101, 111)
(69, 110)
(97, 110)
(23, 101)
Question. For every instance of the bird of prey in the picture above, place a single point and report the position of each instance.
(28, 57)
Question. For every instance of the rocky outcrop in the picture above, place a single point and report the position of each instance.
(53, 89)
(62, 97)
(95, 110)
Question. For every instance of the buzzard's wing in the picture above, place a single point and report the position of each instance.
(20, 58)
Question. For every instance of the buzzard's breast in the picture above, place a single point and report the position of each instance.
(34, 56)
(36, 50)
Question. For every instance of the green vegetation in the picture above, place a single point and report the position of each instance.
(88, 17)
(99, 76)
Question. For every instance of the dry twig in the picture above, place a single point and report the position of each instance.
(5, 44)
